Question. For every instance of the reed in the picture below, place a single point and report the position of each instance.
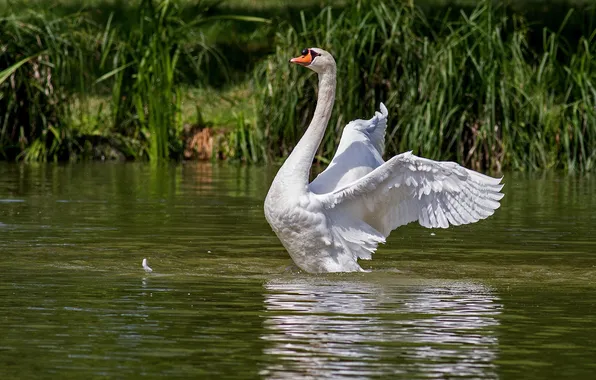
(50, 63)
(39, 56)
(467, 88)
(485, 86)
(143, 66)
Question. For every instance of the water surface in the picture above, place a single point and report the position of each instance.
(510, 297)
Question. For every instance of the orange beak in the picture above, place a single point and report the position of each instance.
(303, 60)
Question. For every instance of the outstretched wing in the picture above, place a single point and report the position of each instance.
(408, 188)
(360, 151)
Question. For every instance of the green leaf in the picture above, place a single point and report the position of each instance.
(4, 74)
(112, 73)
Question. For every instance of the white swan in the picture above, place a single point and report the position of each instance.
(351, 207)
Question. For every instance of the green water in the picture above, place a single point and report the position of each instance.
(510, 297)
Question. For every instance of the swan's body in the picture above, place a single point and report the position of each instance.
(354, 204)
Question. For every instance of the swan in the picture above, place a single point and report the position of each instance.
(352, 206)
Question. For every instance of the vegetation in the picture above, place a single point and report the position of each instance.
(37, 61)
(488, 85)
(468, 89)
(57, 71)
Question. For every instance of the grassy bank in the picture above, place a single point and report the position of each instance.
(470, 89)
(489, 86)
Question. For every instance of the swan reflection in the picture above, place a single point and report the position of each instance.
(332, 329)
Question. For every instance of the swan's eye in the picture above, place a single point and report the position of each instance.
(304, 51)
(314, 54)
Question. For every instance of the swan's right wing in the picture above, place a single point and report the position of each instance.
(371, 130)
(375, 129)
(360, 151)
(408, 188)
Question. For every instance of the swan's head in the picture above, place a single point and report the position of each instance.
(316, 59)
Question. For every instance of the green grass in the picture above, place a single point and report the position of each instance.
(469, 88)
(144, 59)
(143, 63)
(40, 58)
(489, 86)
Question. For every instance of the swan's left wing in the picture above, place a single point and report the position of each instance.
(408, 188)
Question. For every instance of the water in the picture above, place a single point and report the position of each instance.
(510, 297)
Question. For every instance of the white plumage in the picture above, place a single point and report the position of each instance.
(146, 266)
(354, 204)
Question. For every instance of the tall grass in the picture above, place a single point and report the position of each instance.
(146, 79)
(143, 91)
(38, 59)
(468, 88)
(485, 87)
(48, 63)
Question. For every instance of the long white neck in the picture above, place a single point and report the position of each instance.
(296, 169)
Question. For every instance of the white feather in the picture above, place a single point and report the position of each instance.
(146, 267)
(436, 194)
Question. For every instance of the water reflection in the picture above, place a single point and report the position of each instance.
(76, 302)
(333, 329)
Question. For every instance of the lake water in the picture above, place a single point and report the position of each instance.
(510, 297)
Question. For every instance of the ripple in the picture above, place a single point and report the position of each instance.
(333, 330)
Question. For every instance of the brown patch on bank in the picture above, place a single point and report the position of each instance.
(202, 143)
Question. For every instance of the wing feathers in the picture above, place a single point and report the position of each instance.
(376, 129)
(360, 239)
(408, 188)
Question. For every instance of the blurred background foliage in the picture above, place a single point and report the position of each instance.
(492, 84)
